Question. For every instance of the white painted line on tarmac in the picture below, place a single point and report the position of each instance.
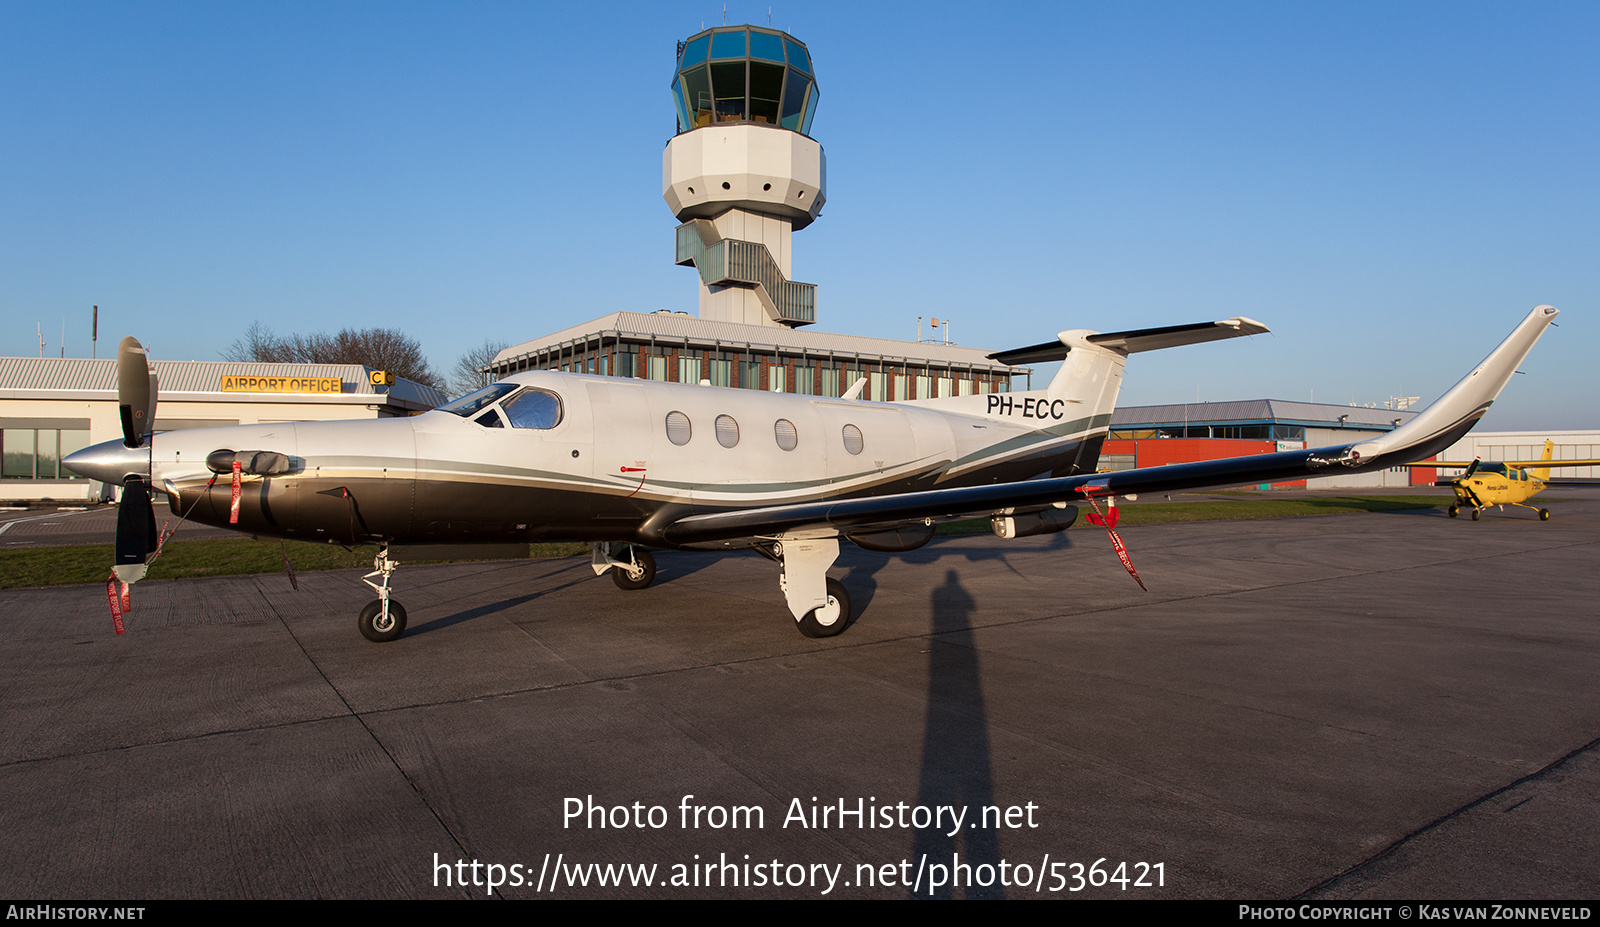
(17, 521)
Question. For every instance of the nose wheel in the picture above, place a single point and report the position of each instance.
(381, 625)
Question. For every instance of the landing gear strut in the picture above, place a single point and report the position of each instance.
(383, 619)
(820, 605)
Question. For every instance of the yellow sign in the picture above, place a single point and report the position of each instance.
(243, 384)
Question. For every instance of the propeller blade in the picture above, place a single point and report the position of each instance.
(1472, 468)
(135, 393)
(136, 530)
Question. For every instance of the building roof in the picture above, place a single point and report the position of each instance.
(689, 330)
(1251, 411)
(51, 377)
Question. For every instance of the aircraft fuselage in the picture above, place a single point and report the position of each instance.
(621, 452)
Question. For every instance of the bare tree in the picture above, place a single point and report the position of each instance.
(378, 348)
(468, 375)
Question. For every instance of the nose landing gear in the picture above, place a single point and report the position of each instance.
(383, 619)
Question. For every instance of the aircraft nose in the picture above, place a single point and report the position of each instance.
(109, 462)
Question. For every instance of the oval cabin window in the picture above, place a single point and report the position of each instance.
(852, 439)
(727, 431)
(678, 430)
(787, 437)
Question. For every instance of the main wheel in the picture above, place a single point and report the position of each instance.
(647, 571)
(1454, 511)
(830, 619)
(373, 626)
(1544, 514)
(1476, 513)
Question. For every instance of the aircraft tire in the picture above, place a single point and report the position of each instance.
(832, 618)
(1454, 511)
(1476, 513)
(373, 613)
(646, 561)
(1544, 514)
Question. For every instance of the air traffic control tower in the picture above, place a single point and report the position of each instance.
(743, 173)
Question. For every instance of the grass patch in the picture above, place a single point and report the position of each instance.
(56, 566)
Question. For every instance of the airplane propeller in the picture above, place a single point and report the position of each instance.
(136, 517)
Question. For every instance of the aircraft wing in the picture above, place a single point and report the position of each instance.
(1437, 427)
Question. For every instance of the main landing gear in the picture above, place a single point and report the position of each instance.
(820, 604)
(383, 619)
(637, 570)
(1544, 514)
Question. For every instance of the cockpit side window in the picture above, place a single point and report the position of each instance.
(533, 408)
(474, 401)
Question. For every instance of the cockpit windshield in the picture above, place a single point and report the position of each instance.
(472, 402)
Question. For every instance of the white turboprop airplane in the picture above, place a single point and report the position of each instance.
(618, 462)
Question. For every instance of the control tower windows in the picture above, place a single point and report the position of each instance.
(794, 102)
(744, 74)
(766, 87)
(728, 44)
(727, 81)
(694, 96)
(695, 52)
(798, 57)
(766, 46)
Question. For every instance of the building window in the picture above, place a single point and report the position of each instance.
(35, 453)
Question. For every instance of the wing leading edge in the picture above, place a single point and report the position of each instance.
(1437, 427)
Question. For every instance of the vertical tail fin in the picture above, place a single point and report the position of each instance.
(1543, 473)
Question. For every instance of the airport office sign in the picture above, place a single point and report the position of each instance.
(240, 383)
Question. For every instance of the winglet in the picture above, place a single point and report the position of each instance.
(1469, 398)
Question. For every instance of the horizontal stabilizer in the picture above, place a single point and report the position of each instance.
(1144, 339)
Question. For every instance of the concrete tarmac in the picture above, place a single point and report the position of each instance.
(1361, 706)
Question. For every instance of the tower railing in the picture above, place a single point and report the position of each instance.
(731, 262)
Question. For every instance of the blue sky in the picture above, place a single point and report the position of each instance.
(1389, 186)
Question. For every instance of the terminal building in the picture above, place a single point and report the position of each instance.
(742, 175)
(1153, 436)
(50, 407)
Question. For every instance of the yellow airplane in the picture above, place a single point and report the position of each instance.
(1502, 483)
